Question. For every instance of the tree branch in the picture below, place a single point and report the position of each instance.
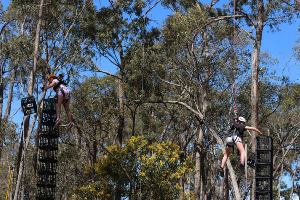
(105, 72)
(3, 27)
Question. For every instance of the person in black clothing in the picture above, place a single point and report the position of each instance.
(237, 129)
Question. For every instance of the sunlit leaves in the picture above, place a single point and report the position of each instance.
(155, 168)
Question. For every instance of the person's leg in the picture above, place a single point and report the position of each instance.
(225, 156)
(68, 112)
(241, 149)
(58, 109)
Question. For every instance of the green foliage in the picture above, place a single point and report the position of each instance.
(145, 169)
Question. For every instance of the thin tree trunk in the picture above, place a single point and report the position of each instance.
(293, 184)
(1, 108)
(279, 181)
(120, 131)
(237, 195)
(254, 77)
(8, 106)
(181, 194)
(199, 140)
(226, 185)
(121, 125)
(10, 94)
(203, 173)
(27, 129)
(95, 151)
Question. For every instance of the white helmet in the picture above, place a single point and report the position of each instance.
(242, 119)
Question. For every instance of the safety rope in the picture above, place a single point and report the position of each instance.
(234, 62)
(235, 110)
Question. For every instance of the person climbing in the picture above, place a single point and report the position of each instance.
(63, 97)
(237, 129)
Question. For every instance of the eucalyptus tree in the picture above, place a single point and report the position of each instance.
(200, 55)
(115, 29)
(258, 15)
(53, 43)
(284, 126)
(94, 105)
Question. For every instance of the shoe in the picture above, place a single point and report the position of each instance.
(57, 122)
(242, 168)
(70, 125)
(220, 171)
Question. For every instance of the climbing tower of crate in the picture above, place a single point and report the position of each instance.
(264, 168)
(47, 157)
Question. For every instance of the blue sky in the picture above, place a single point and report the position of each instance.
(278, 44)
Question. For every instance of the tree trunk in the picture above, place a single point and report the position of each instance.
(199, 140)
(10, 95)
(120, 132)
(203, 173)
(27, 129)
(181, 194)
(254, 77)
(1, 108)
(226, 185)
(95, 151)
(121, 113)
(279, 181)
(8, 108)
(237, 195)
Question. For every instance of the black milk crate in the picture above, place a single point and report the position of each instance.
(45, 172)
(263, 196)
(264, 143)
(48, 119)
(47, 156)
(49, 132)
(264, 157)
(48, 181)
(48, 147)
(49, 144)
(251, 161)
(263, 171)
(46, 193)
(48, 166)
(28, 105)
(263, 185)
(49, 106)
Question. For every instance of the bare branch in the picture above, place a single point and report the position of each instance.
(150, 8)
(220, 18)
(3, 27)
(286, 152)
(200, 115)
(105, 72)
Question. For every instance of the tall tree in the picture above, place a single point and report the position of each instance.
(116, 29)
(199, 53)
(28, 130)
(259, 14)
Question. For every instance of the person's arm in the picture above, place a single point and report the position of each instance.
(53, 83)
(253, 129)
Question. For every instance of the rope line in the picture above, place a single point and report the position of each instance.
(234, 62)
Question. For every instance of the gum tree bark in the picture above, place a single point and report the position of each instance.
(28, 129)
